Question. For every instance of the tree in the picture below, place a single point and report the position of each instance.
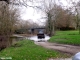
(76, 7)
(65, 18)
(51, 16)
(7, 1)
(8, 20)
(57, 16)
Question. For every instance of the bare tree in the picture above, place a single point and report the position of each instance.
(8, 20)
(57, 14)
(76, 7)
(50, 11)
(64, 18)
(77, 10)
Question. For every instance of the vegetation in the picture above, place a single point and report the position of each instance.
(27, 50)
(24, 26)
(8, 21)
(58, 17)
(66, 37)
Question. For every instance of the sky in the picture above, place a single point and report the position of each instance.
(34, 15)
(30, 13)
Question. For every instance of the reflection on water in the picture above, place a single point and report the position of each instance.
(6, 41)
(16, 39)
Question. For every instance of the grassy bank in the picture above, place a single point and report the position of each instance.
(27, 50)
(66, 37)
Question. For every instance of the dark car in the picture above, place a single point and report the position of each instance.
(40, 35)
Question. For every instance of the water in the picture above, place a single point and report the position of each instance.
(6, 41)
(16, 38)
(13, 40)
(35, 38)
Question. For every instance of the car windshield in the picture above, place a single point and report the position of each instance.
(40, 32)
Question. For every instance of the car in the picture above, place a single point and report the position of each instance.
(41, 35)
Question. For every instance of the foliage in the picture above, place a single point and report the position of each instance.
(27, 50)
(25, 26)
(66, 37)
(8, 19)
(67, 28)
(51, 17)
(58, 18)
(21, 31)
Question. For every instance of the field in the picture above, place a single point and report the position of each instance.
(27, 50)
(66, 37)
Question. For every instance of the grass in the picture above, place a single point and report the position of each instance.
(27, 50)
(66, 37)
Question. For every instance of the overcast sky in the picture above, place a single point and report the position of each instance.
(35, 15)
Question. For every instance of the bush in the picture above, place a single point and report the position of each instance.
(67, 28)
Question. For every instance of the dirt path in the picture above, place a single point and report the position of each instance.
(60, 47)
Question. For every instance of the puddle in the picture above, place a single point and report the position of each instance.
(35, 38)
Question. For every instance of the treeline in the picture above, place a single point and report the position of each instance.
(60, 17)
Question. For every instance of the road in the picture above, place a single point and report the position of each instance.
(60, 47)
(70, 49)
